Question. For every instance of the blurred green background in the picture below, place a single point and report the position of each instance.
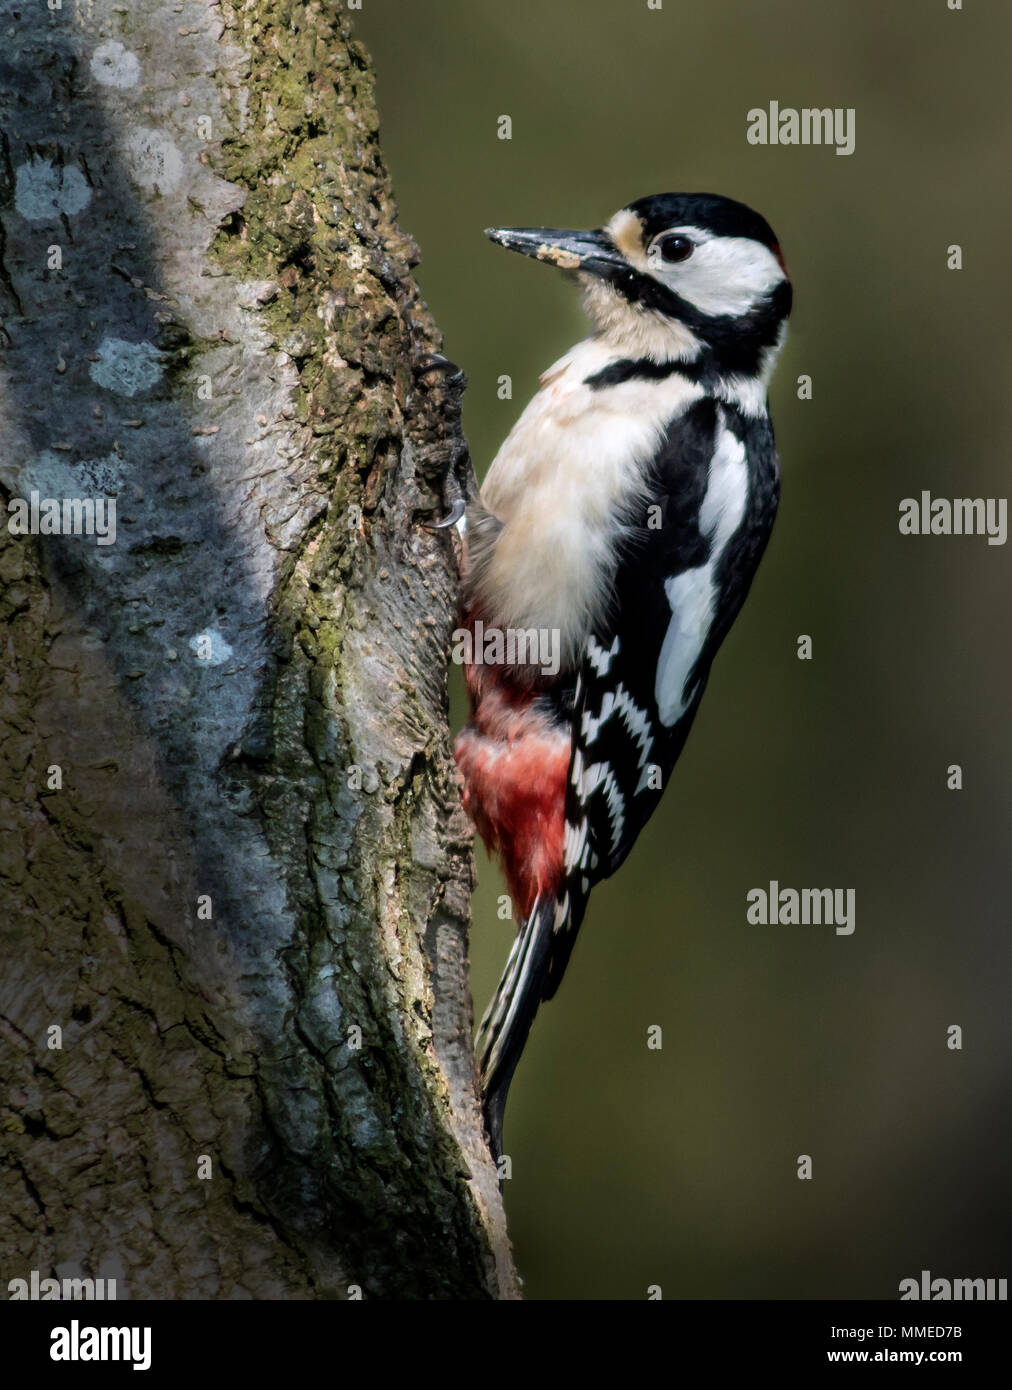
(634, 1167)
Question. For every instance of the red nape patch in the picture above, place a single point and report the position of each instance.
(780, 257)
(515, 769)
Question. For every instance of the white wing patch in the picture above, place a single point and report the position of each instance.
(599, 658)
(561, 914)
(586, 781)
(577, 852)
(574, 845)
(636, 720)
(692, 595)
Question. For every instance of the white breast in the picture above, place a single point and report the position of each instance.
(561, 482)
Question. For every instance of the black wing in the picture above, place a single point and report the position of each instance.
(701, 531)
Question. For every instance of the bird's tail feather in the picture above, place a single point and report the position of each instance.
(509, 1016)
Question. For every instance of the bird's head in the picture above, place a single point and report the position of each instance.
(676, 275)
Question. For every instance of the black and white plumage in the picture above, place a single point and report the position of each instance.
(626, 511)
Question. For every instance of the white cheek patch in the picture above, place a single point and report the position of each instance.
(724, 276)
(692, 595)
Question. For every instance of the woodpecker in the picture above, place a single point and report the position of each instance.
(625, 514)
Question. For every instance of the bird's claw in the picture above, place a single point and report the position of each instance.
(451, 455)
(437, 362)
(456, 512)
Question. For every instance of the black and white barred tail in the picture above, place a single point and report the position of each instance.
(509, 1016)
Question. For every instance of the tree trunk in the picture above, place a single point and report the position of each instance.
(235, 1026)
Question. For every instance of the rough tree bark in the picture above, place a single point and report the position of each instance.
(234, 869)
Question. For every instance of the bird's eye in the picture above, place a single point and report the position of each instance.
(675, 248)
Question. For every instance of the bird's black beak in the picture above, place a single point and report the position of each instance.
(591, 252)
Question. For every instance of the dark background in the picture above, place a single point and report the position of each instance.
(634, 1167)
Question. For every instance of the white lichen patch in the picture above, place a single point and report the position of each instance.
(52, 475)
(210, 648)
(43, 190)
(115, 66)
(125, 367)
(105, 475)
(153, 161)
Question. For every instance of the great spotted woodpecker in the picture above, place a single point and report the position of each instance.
(625, 514)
